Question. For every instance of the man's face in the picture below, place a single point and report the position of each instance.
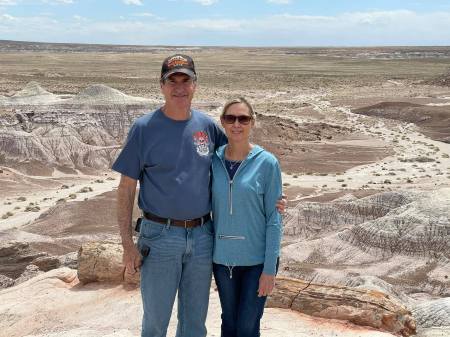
(178, 90)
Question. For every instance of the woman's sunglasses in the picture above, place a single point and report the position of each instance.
(231, 119)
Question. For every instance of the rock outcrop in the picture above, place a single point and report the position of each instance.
(361, 307)
(85, 131)
(102, 261)
(399, 237)
(30, 272)
(391, 222)
(96, 94)
(15, 257)
(32, 89)
(435, 313)
(420, 227)
(65, 148)
(32, 93)
(5, 281)
(20, 262)
(308, 220)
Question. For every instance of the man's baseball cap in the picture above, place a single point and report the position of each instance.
(178, 63)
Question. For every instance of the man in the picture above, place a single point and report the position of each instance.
(169, 151)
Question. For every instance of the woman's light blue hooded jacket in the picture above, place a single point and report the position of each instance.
(247, 225)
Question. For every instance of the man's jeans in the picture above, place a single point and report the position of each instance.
(178, 259)
(242, 309)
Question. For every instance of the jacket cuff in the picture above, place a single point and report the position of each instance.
(270, 266)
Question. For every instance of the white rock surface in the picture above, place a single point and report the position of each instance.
(55, 304)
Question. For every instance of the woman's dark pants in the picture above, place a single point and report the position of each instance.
(242, 309)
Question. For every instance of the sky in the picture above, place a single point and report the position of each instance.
(260, 23)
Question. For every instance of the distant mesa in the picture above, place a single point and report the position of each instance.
(96, 94)
(32, 88)
(102, 94)
(31, 94)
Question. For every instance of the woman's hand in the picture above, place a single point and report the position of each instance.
(266, 284)
(282, 204)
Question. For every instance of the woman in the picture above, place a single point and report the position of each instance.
(245, 189)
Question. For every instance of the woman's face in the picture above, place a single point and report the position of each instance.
(237, 122)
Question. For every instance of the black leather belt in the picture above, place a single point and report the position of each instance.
(180, 223)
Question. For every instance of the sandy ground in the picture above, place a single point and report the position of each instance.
(24, 191)
(391, 172)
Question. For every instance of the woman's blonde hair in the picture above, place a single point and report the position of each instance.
(236, 101)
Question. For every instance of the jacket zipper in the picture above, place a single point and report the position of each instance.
(232, 237)
(230, 183)
(230, 194)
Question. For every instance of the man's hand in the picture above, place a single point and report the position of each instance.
(125, 201)
(266, 284)
(282, 204)
(132, 259)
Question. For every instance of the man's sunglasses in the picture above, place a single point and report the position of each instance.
(231, 119)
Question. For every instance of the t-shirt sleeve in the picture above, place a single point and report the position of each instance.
(128, 162)
(220, 137)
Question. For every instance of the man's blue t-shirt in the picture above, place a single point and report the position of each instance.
(172, 160)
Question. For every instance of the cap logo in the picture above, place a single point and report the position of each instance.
(177, 61)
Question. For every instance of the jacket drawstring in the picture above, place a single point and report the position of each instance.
(230, 269)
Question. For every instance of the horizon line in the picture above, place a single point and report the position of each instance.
(227, 46)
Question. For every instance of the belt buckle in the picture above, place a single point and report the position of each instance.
(185, 223)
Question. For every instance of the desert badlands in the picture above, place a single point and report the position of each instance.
(363, 138)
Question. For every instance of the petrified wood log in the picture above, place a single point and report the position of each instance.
(361, 307)
(102, 262)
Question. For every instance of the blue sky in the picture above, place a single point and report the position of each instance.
(228, 22)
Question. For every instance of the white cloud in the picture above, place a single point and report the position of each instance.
(58, 2)
(4, 18)
(79, 18)
(8, 2)
(133, 2)
(206, 2)
(145, 15)
(279, 2)
(208, 24)
(349, 29)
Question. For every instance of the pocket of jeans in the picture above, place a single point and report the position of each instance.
(152, 231)
(143, 249)
(208, 228)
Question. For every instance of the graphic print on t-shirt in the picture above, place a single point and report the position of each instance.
(201, 142)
